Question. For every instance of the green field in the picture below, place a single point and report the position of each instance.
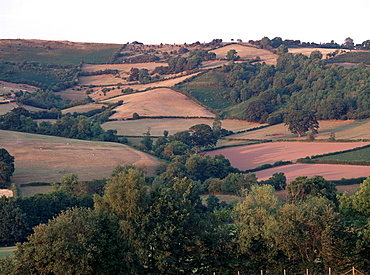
(55, 52)
(5, 251)
(208, 89)
(352, 57)
(358, 155)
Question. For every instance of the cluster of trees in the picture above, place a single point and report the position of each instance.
(267, 43)
(179, 64)
(196, 138)
(163, 227)
(81, 127)
(19, 215)
(141, 58)
(297, 82)
(6, 167)
(44, 76)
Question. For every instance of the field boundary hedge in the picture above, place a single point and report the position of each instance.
(316, 158)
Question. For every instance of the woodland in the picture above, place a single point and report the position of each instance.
(172, 221)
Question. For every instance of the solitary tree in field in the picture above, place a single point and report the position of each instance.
(301, 121)
(232, 55)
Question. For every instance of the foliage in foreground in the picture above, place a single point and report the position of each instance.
(133, 229)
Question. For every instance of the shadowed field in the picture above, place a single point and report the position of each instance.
(172, 125)
(41, 158)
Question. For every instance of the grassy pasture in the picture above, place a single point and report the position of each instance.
(343, 129)
(353, 57)
(55, 52)
(41, 158)
(172, 125)
(209, 89)
(7, 251)
(358, 155)
(158, 102)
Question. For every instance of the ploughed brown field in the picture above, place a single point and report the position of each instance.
(328, 171)
(251, 156)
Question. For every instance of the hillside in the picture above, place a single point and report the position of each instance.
(158, 102)
(41, 158)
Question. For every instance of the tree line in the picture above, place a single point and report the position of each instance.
(266, 93)
(157, 226)
(69, 126)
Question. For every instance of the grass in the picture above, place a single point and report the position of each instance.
(55, 52)
(358, 155)
(41, 158)
(352, 57)
(7, 251)
(208, 89)
(343, 129)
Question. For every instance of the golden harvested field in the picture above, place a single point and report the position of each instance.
(251, 156)
(158, 102)
(41, 158)
(172, 125)
(6, 193)
(104, 79)
(308, 51)
(121, 67)
(328, 171)
(6, 87)
(247, 52)
(83, 108)
(4, 108)
(98, 95)
(343, 129)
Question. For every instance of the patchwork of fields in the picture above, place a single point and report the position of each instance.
(43, 158)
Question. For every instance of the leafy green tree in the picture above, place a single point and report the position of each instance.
(316, 55)
(301, 121)
(202, 136)
(234, 183)
(146, 143)
(348, 43)
(78, 241)
(172, 229)
(303, 187)
(355, 210)
(13, 222)
(255, 220)
(278, 181)
(126, 199)
(232, 55)
(282, 49)
(6, 167)
(312, 235)
(257, 111)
